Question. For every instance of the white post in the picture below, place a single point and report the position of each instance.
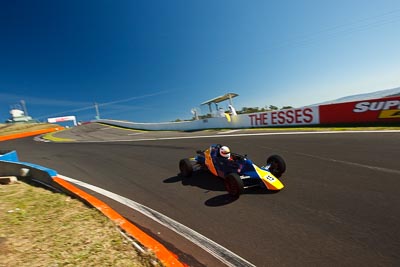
(96, 106)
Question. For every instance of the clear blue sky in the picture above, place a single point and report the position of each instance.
(150, 61)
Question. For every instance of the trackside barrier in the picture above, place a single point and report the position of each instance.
(288, 117)
(379, 110)
(374, 111)
(9, 155)
(10, 165)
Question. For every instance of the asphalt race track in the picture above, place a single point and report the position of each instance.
(340, 205)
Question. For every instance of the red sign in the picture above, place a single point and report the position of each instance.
(373, 110)
(300, 116)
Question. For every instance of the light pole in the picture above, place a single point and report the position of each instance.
(96, 106)
(24, 107)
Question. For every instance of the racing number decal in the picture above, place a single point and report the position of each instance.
(270, 178)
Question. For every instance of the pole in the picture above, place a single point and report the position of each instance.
(230, 99)
(96, 106)
(24, 107)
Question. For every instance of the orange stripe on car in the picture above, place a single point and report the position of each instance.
(209, 162)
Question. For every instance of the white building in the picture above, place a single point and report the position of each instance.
(18, 115)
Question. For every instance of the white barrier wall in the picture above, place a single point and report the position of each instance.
(287, 117)
(62, 119)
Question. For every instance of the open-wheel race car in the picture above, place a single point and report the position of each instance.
(238, 171)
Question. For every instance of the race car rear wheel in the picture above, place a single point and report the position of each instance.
(234, 184)
(186, 167)
(278, 165)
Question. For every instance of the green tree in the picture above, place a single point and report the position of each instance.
(272, 107)
(286, 107)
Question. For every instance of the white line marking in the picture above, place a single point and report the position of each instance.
(224, 255)
(228, 132)
(135, 133)
(351, 163)
(236, 135)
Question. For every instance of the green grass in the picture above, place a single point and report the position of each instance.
(8, 128)
(42, 228)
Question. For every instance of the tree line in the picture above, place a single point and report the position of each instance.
(244, 110)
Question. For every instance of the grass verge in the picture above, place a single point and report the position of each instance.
(42, 228)
(8, 129)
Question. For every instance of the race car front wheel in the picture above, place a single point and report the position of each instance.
(234, 184)
(186, 167)
(277, 165)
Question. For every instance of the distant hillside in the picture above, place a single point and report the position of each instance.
(376, 94)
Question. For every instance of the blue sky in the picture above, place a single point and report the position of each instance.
(151, 61)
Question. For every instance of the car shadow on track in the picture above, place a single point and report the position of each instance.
(203, 180)
(207, 181)
(227, 199)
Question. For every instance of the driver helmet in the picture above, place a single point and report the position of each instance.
(225, 152)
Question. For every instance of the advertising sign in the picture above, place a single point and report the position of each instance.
(62, 119)
(373, 110)
(285, 117)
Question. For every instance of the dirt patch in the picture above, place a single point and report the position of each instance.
(4, 249)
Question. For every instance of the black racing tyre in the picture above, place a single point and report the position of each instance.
(186, 167)
(278, 165)
(234, 184)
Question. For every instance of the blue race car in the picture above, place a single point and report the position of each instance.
(238, 172)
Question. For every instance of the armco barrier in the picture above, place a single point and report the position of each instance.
(9, 155)
(380, 110)
(10, 165)
(288, 117)
(373, 111)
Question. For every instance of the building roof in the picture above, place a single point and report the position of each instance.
(220, 98)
